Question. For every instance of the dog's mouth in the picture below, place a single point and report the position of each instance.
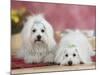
(38, 40)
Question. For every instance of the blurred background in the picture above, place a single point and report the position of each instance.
(60, 16)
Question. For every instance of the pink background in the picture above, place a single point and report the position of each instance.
(62, 16)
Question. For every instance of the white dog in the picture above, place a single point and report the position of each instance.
(38, 41)
(74, 48)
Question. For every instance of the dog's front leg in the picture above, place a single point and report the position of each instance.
(49, 58)
(36, 58)
(28, 59)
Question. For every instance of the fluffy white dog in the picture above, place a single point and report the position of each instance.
(74, 48)
(38, 41)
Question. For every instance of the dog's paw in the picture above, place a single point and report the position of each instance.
(28, 60)
(52, 63)
(49, 59)
(57, 63)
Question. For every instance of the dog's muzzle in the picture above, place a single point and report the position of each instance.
(38, 38)
(70, 63)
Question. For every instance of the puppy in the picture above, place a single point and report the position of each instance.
(38, 43)
(74, 48)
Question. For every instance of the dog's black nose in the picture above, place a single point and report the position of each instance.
(38, 37)
(70, 63)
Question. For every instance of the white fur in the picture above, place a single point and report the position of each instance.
(74, 42)
(40, 51)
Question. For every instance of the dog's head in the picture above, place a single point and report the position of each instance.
(37, 30)
(68, 56)
(71, 56)
(39, 33)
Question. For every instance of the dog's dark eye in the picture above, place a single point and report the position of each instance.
(42, 30)
(74, 55)
(34, 30)
(66, 55)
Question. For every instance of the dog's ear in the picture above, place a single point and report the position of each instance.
(26, 39)
(51, 41)
(51, 44)
(49, 32)
(84, 56)
(80, 55)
